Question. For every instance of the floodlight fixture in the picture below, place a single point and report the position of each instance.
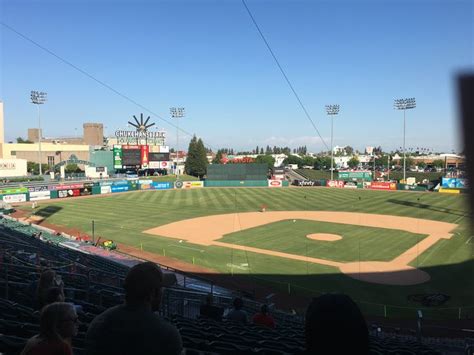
(332, 110)
(404, 104)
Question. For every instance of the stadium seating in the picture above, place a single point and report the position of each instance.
(94, 283)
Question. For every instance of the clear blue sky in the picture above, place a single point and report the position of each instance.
(208, 57)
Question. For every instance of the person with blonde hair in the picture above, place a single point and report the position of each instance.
(58, 324)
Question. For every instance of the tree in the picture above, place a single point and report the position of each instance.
(353, 162)
(21, 140)
(308, 161)
(33, 167)
(265, 159)
(438, 163)
(72, 168)
(196, 161)
(421, 165)
(261, 151)
(294, 159)
(349, 150)
(218, 158)
(322, 163)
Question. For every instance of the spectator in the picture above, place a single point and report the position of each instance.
(58, 324)
(335, 325)
(263, 318)
(134, 328)
(48, 279)
(237, 314)
(208, 310)
(54, 294)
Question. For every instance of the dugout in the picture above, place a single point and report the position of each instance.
(237, 172)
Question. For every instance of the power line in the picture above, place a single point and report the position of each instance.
(284, 74)
(100, 82)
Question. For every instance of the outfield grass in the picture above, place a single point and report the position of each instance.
(123, 217)
(357, 243)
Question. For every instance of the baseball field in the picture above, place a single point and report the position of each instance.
(385, 249)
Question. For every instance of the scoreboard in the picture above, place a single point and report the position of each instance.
(131, 156)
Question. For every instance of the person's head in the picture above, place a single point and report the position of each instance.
(143, 285)
(334, 324)
(238, 303)
(264, 309)
(58, 321)
(54, 294)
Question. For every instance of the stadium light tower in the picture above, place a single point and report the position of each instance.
(177, 113)
(404, 104)
(332, 110)
(38, 98)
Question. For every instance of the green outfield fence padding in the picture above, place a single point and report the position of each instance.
(54, 194)
(132, 185)
(96, 190)
(239, 172)
(235, 183)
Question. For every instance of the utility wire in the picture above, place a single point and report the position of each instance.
(100, 82)
(284, 74)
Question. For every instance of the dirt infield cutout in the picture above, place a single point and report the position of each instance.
(325, 237)
(208, 230)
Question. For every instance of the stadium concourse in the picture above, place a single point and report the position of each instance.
(94, 283)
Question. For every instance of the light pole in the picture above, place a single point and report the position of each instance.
(38, 98)
(332, 110)
(404, 104)
(177, 113)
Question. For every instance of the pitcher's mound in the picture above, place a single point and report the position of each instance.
(324, 236)
(386, 273)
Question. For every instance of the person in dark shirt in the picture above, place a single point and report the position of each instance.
(134, 328)
(335, 325)
(237, 314)
(208, 310)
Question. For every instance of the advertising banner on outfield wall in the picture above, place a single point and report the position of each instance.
(192, 184)
(350, 185)
(13, 191)
(161, 185)
(105, 189)
(69, 193)
(275, 183)
(159, 165)
(40, 195)
(121, 188)
(145, 184)
(335, 183)
(38, 188)
(308, 183)
(66, 187)
(14, 198)
(454, 183)
(379, 185)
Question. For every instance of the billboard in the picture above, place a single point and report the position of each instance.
(117, 157)
(13, 191)
(14, 198)
(40, 195)
(131, 156)
(144, 155)
(105, 189)
(69, 193)
(121, 188)
(310, 183)
(349, 175)
(153, 156)
(335, 183)
(275, 183)
(155, 185)
(454, 183)
(379, 185)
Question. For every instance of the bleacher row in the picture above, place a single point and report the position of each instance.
(94, 283)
